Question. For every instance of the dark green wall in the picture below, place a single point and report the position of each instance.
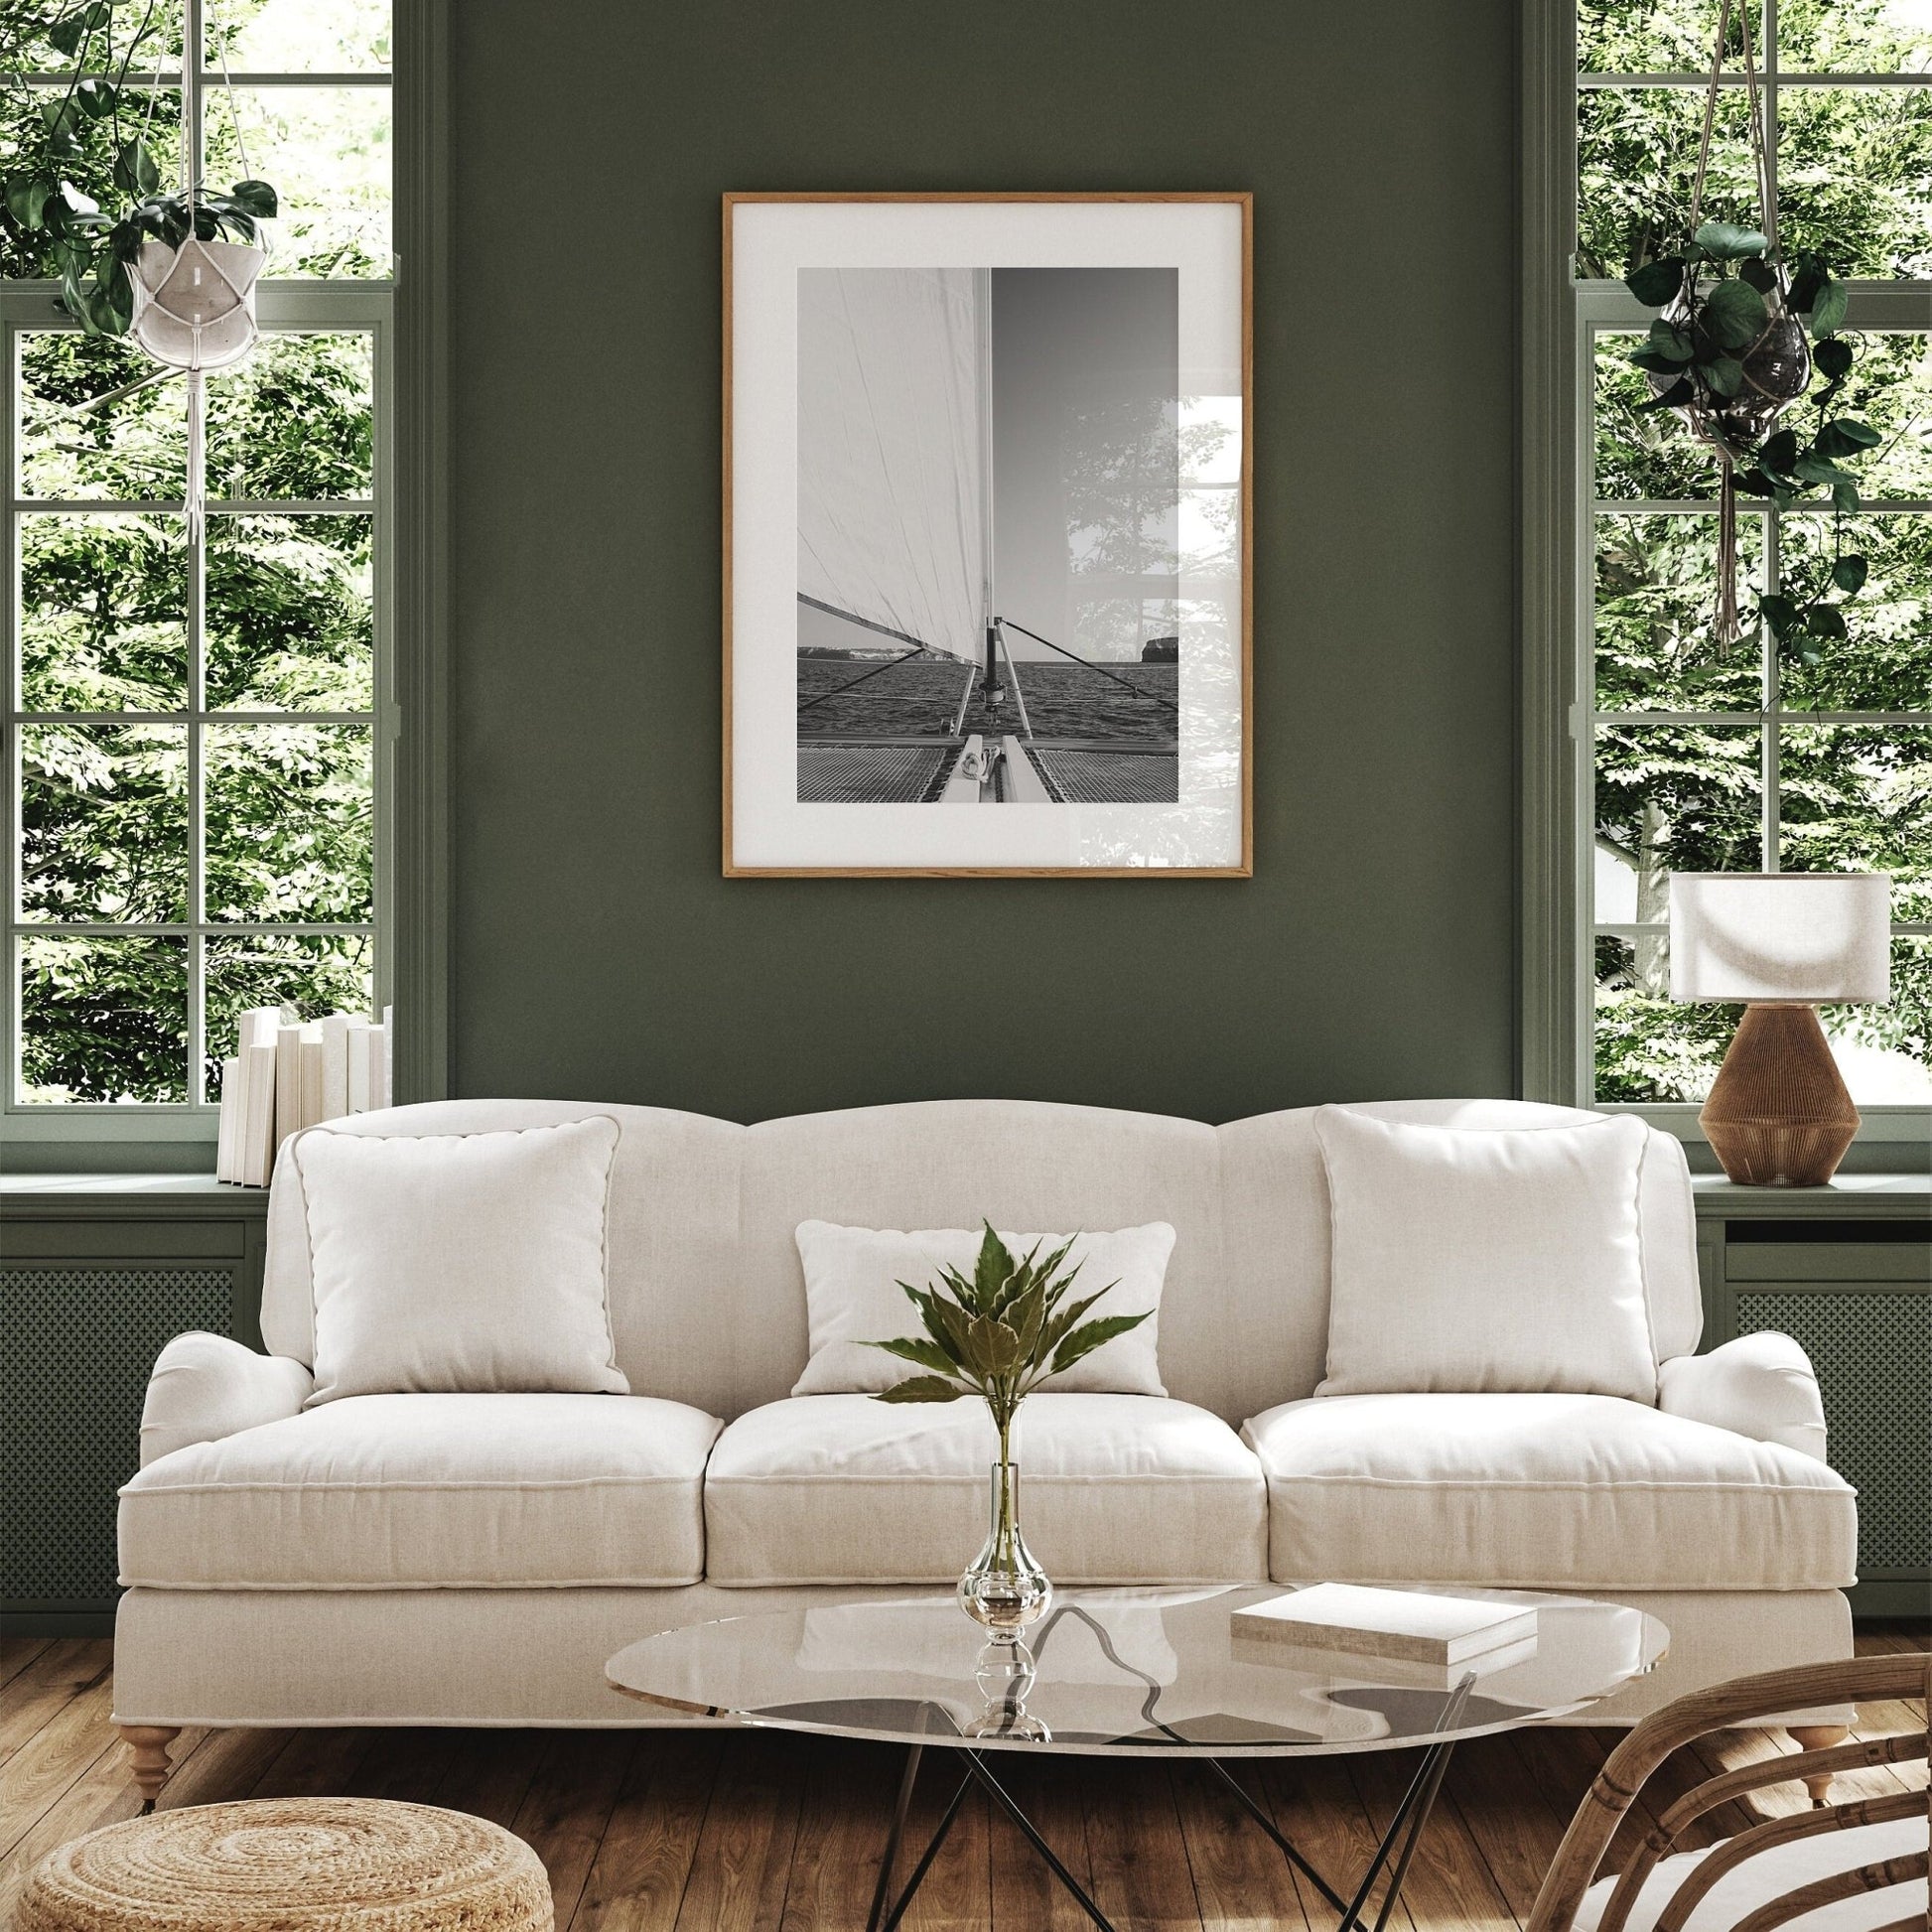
(597, 952)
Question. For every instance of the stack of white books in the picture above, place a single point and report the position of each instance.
(287, 1074)
(1415, 1630)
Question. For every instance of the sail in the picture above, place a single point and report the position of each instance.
(891, 519)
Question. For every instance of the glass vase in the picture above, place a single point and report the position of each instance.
(1003, 1587)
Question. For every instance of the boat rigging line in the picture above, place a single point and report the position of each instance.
(1126, 684)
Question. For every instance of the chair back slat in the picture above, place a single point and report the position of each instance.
(1891, 1676)
(1858, 1756)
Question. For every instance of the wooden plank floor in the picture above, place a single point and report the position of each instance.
(762, 1832)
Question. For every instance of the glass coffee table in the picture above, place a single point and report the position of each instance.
(1112, 1673)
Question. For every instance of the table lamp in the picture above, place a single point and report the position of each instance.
(1779, 1114)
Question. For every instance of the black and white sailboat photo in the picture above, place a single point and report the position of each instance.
(989, 510)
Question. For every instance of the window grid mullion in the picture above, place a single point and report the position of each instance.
(197, 827)
(1771, 781)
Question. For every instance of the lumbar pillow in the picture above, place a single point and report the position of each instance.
(853, 1296)
(1484, 1260)
(459, 1262)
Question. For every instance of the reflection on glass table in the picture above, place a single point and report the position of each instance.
(1131, 1673)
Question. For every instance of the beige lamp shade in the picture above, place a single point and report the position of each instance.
(1805, 936)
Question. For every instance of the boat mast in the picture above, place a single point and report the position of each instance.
(983, 330)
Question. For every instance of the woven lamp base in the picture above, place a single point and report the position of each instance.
(291, 1865)
(1779, 1114)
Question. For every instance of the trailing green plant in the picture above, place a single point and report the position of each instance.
(1002, 1333)
(1728, 351)
(89, 249)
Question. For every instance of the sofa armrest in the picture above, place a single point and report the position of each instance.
(1759, 1384)
(205, 1387)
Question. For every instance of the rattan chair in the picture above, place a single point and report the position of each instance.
(1771, 1873)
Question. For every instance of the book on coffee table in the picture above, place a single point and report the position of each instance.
(1410, 1625)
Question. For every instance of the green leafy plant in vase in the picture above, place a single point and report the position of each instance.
(998, 1335)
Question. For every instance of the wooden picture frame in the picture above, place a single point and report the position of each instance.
(874, 391)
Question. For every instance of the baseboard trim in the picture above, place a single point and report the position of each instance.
(1892, 1596)
(56, 1623)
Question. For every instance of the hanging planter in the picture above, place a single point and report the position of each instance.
(175, 272)
(1740, 337)
(195, 305)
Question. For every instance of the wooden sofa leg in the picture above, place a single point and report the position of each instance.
(148, 1745)
(1819, 1738)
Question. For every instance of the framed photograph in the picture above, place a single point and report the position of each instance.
(987, 539)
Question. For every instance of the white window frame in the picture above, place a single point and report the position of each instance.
(1563, 318)
(284, 306)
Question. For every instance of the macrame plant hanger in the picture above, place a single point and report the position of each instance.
(1728, 625)
(194, 303)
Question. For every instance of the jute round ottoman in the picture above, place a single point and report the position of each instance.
(293, 1865)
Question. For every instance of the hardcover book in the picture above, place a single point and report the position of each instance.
(1409, 1624)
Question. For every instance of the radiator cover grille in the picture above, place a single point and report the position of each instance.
(1872, 1352)
(78, 1345)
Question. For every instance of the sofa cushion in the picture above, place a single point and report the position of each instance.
(1774, 1873)
(1543, 1491)
(459, 1262)
(1469, 1259)
(429, 1491)
(1114, 1488)
(854, 1297)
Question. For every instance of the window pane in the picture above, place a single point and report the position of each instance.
(1671, 798)
(1636, 158)
(1649, 1047)
(327, 152)
(103, 613)
(296, 421)
(316, 973)
(103, 823)
(1878, 37)
(103, 1019)
(1644, 454)
(1653, 35)
(1855, 177)
(1886, 665)
(290, 622)
(1885, 1052)
(27, 47)
(1656, 597)
(288, 823)
(298, 35)
(132, 450)
(1890, 387)
(1859, 798)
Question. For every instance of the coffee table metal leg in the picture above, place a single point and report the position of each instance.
(879, 1919)
(997, 1793)
(1268, 1825)
(1411, 1815)
(1398, 1842)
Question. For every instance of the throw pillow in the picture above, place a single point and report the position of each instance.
(1485, 1259)
(853, 1296)
(459, 1262)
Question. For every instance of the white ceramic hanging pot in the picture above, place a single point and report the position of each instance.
(195, 305)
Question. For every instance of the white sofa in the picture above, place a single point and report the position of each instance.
(475, 1559)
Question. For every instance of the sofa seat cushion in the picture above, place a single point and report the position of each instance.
(1776, 1873)
(1114, 1489)
(427, 1493)
(1543, 1492)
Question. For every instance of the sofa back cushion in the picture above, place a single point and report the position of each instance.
(707, 1294)
(855, 1298)
(1471, 1261)
(463, 1262)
